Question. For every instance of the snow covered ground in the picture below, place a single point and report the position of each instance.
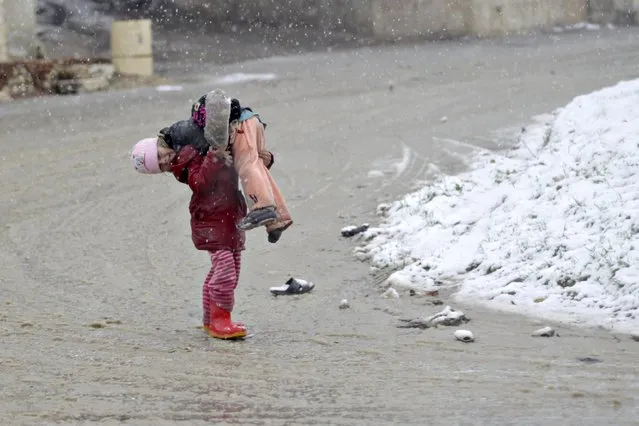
(549, 228)
(238, 78)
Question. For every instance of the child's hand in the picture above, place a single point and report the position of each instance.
(224, 156)
(266, 157)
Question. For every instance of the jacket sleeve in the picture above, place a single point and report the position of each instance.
(202, 176)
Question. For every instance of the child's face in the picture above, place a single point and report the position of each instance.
(165, 156)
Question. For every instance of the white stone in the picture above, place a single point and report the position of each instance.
(544, 332)
(391, 293)
(464, 336)
(94, 84)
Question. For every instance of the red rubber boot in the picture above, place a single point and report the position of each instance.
(221, 326)
(206, 327)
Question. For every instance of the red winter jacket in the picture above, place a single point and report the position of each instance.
(216, 204)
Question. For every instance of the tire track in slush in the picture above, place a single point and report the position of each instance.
(405, 165)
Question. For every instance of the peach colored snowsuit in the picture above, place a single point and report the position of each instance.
(247, 140)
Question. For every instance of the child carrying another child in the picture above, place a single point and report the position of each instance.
(222, 123)
(217, 207)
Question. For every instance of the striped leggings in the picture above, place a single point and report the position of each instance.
(221, 281)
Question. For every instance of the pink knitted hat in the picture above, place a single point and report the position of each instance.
(145, 156)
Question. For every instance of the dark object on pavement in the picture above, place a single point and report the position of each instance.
(589, 360)
(293, 286)
(350, 231)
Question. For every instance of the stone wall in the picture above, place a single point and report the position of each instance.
(32, 77)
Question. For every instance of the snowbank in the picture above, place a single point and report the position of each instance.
(550, 229)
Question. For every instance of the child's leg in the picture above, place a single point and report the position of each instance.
(223, 279)
(237, 257)
(253, 176)
(206, 299)
(285, 220)
(250, 167)
(223, 282)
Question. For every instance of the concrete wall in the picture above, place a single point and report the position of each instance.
(326, 14)
(602, 11)
(4, 54)
(381, 19)
(471, 17)
(19, 27)
(393, 19)
(497, 17)
(621, 12)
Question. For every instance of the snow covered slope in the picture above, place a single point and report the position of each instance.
(549, 229)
